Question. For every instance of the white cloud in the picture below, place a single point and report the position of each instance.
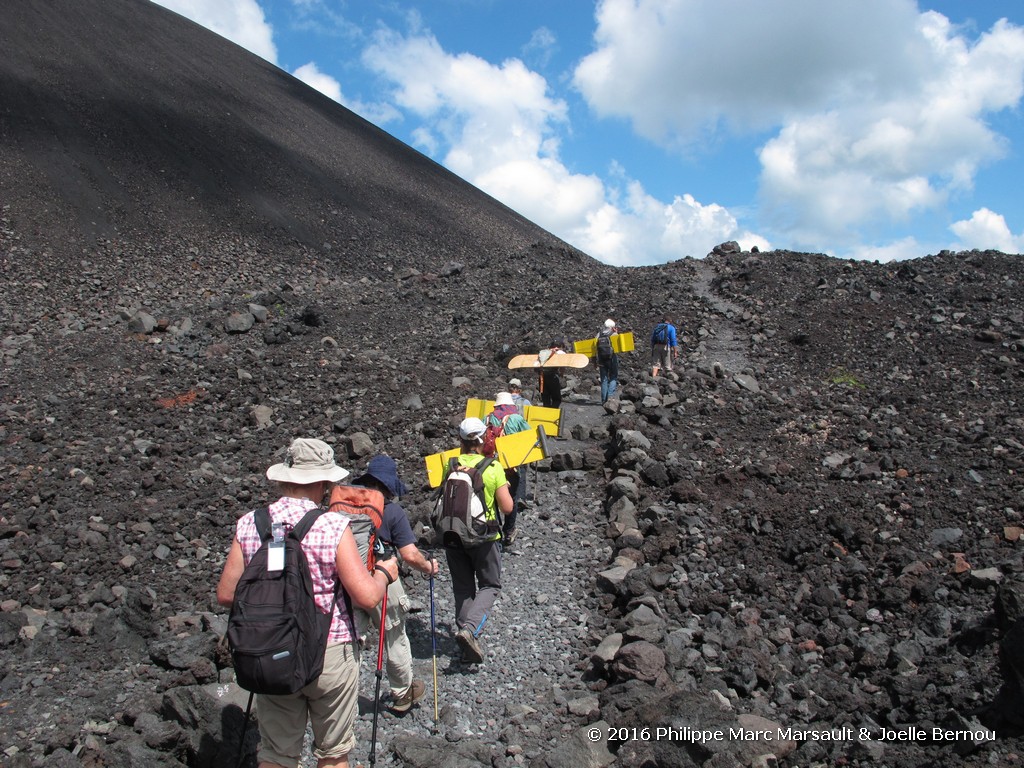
(241, 21)
(987, 230)
(879, 111)
(541, 47)
(899, 250)
(498, 128)
(311, 75)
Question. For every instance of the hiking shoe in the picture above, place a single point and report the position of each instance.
(472, 653)
(404, 702)
(508, 538)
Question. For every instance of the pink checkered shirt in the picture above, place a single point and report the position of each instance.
(321, 548)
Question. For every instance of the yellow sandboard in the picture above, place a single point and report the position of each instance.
(520, 448)
(562, 360)
(549, 418)
(475, 407)
(621, 342)
(436, 462)
(515, 450)
(535, 415)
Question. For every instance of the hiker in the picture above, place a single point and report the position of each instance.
(663, 346)
(506, 420)
(476, 569)
(330, 702)
(382, 475)
(550, 381)
(515, 388)
(607, 360)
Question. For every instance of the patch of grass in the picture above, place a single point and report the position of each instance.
(844, 377)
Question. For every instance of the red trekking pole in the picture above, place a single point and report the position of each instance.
(384, 554)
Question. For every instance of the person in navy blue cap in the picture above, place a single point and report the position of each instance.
(382, 475)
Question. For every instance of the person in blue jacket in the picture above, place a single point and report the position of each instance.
(663, 346)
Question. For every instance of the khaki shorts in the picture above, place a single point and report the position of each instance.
(661, 356)
(331, 701)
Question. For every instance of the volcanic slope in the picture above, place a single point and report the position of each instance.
(812, 523)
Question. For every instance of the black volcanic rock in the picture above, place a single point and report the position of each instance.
(809, 523)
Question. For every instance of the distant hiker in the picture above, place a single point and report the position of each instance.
(382, 474)
(506, 420)
(607, 360)
(550, 381)
(515, 388)
(663, 346)
(468, 522)
(330, 702)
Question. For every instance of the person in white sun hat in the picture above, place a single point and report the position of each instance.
(330, 703)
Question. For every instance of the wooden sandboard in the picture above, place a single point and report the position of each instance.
(621, 342)
(535, 415)
(515, 450)
(564, 360)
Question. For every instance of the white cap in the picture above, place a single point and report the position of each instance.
(609, 323)
(472, 429)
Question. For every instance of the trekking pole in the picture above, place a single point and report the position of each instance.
(433, 642)
(380, 666)
(245, 727)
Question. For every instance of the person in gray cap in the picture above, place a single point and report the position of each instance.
(515, 388)
(382, 475)
(330, 702)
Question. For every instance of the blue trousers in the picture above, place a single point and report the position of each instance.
(609, 378)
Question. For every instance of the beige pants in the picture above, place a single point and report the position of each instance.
(397, 651)
(331, 704)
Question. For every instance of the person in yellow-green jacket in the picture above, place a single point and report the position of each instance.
(476, 568)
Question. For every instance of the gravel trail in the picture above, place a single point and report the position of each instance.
(532, 641)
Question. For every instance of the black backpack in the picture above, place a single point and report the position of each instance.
(460, 517)
(604, 347)
(276, 631)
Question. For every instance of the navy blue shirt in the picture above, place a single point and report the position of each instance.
(395, 528)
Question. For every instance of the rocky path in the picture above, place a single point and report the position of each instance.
(720, 338)
(510, 707)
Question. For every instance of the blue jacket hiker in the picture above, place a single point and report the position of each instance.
(663, 346)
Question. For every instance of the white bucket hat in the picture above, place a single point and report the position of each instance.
(308, 461)
(609, 323)
(503, 398)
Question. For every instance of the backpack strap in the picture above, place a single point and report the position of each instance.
(263, 523)
(302, 527)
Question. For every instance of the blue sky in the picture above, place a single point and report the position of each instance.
(643, 131)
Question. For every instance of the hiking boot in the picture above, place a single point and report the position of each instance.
(472, 653)
(404, 702)
(508, 538)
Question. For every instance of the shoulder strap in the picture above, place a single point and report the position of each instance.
(263, 525)
(302, 527)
